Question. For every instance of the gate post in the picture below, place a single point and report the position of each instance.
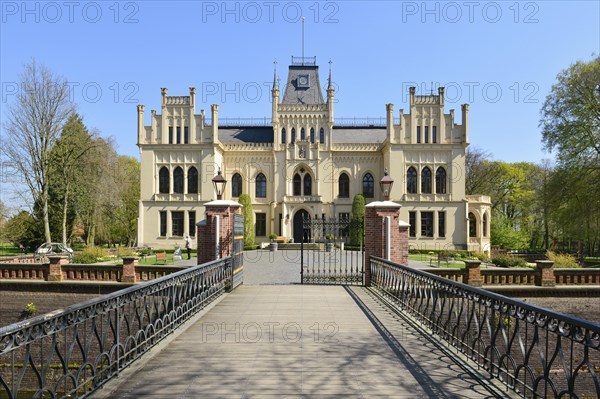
(376, 214)
(218, 223)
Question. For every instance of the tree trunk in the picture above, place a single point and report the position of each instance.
(45, 213)
(64, 220)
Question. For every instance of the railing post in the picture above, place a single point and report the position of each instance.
(545, 273)
(473, 273)
(55, 268)
(128, 273)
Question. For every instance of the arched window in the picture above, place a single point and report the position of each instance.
(426, 180)
(163, 180)
(261, 186)
(368, 186)
(192, 180)
(472, 225)
(236, 185)
(293, 140)
(440, 181)
(344, 186)
(297, 183)
(312, 134)
(322, 136)
(178, 180)
(302, 134)
(283, 135)
(485, 224)
(307, 184)
(411, 180)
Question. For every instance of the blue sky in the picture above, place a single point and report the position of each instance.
(501, 57)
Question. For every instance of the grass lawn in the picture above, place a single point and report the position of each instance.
(151, 259)
(7, 249)
(427, 258)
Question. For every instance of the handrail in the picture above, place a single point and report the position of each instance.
(534, 351)
(73, 351)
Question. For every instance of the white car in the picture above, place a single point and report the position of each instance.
(54, 248)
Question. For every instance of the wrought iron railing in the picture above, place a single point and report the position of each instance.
(72, 352)
(304, 61)
(536, 352)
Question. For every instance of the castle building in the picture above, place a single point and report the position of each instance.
(303, 163)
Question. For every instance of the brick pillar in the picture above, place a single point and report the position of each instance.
(473, 273)
(376, 214)
(128, 273)
(223, 210)
(545, 275)
(55, 268)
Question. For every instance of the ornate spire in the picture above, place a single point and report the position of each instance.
(275, 80)
(330, 85)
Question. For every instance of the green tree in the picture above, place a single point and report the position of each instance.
(68, 168)
(34, 122)
(246, 203)
(23, 229)
(358, 217)
(570, 123)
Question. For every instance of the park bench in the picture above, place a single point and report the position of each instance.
(439, 260)
(280, 239)
(161, 257)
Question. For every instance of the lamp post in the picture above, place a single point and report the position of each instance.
(219, 182)
(386, 184)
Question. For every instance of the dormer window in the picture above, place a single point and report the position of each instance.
(303, 82)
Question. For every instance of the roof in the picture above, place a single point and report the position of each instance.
(359, 135)
(261, 134)
(297, 93)
(264, 134)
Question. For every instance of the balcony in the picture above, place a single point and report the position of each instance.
(301, 199)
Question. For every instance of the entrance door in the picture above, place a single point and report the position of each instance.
(299, 218)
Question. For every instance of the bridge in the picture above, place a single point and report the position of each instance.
(229, 327)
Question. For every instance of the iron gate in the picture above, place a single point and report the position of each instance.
(332, 251)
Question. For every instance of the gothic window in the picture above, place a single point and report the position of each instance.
(236, 185)
(283, 135)
(163, 223)
(412, 220)
(170, 134)
(418, 134)
(441, 224)
(368, 186)
(307, 184)
(344, 186)
(322, 136)
(192, 180)
(427, 134)
(440, 181)
(186, 135)
(163, 180)
(472, 225)
(411, 180)
(302, 134)
(434, 134)
(178, 180)
(297, 183)
(426, 180)
(261, 186)
(178, 134)
(312, 134)
(192, 223)
(293, 140)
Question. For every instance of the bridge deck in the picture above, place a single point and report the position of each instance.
(298, 341)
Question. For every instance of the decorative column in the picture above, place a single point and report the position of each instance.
(55, 268)
(218, 223)
(473, 273)
(128, 273)
(386, 236)
(545, 275)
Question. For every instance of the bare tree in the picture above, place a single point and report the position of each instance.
(34, 123)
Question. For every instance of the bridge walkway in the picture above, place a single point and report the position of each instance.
(294, 341)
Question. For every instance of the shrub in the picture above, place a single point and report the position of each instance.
(272, 237)
(563, 260)
(91, 254)
(482, 256)
(30, 309)
(509, 261)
